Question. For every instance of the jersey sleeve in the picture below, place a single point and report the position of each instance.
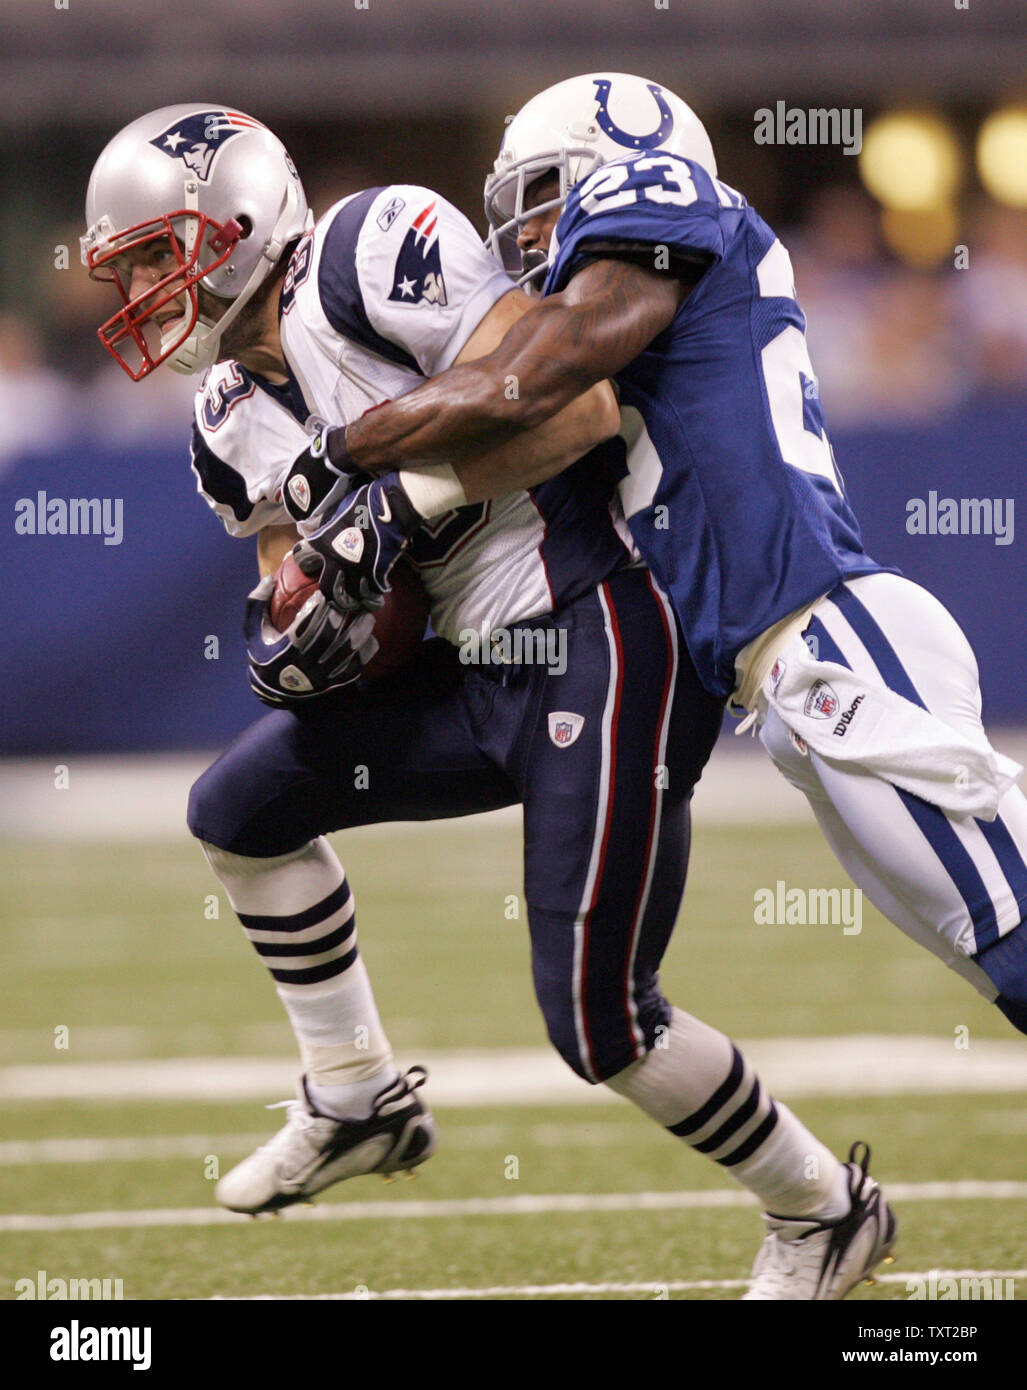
(243, 444)
(652, 200)
(404, 274)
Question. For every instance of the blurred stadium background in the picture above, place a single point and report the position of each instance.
(923, 369)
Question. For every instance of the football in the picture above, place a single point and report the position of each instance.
(291, 591)
(399, 624)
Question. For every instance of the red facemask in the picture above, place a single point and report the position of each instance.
(128, 325)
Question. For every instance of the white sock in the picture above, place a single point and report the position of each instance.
(299, 914)
(700, 1087)
(352, 1100)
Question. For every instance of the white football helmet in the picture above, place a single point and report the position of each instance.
(222, 188)
(571, 129)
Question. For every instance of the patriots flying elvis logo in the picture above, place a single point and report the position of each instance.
(417, 278)
(198, 139)
(623, 137)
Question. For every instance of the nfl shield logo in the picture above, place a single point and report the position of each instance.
(564, 727)
(292, 678)
(299, 490)
(350, 544)
(821, 702)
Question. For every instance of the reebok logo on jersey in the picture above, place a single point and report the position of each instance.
(821, 702)
(565, 727)
(389, 213)
(417, 278)
(847, 718)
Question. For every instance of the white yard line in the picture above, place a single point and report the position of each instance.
(556, 1290)
(858, 1065)
(134, 1149)
(19, 1152)
(144, 798)
(526, 1205)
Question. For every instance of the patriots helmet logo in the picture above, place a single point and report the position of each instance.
(417, 278)
(199, 138)
(608, 126)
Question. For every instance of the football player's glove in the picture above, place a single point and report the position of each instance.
(360, 543)
(321, 476)
(322, 650)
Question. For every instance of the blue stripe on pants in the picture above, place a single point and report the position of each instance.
(931, 820)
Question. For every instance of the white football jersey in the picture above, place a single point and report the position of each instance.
(384, 292)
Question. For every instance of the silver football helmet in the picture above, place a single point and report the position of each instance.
(570, 130)
(223, 191)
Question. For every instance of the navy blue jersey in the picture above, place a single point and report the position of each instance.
(734, 498)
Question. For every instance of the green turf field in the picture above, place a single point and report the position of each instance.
(114, 945)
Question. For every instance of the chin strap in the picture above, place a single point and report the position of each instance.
(197, 353)
(199, 350)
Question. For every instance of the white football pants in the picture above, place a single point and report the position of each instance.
(954, 886)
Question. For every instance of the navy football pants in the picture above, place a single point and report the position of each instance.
(606, 813)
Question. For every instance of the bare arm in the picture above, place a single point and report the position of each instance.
(541, 452)
(550, 356)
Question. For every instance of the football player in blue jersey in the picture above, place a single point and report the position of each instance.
(660, 276)
(198, 216)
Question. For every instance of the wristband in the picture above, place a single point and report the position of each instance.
(433, 488)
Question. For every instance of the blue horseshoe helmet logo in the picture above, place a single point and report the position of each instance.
(633, 142)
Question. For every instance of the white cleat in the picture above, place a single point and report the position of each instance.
(823, 1260)
(313, 1151)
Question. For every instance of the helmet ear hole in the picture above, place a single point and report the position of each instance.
(246, 223)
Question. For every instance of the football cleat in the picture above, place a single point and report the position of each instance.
(312, 1150)
(823, 1260)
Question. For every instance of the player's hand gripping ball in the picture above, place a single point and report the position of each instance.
(399, 624)
(327, 648)
(320, 649)
(354, 551)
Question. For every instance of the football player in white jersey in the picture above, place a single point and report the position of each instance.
(199, 217)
